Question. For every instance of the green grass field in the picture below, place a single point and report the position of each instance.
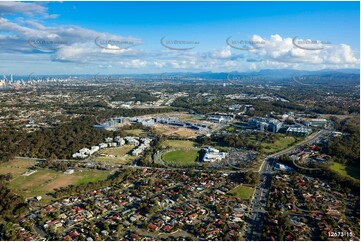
(185, 133)
(136, 132)
(121, 155)
(281, 143)
(16, 167)
(91, 176)
(241, 191)
(179, 144)
(345, 170)
(189, 117)
(186, 117)
(230, 128)
(44, 181)
(180, 158)
(124, 160)
(118, 151)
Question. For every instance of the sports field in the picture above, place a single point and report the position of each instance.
(345, 170)
(179, 144)
(44, 181)
(180, 158)
(16, 167)
(117, 155)
(242, 191)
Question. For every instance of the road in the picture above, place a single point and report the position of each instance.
(255, 219)
(132, 166)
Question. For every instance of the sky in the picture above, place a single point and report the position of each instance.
(156, 37)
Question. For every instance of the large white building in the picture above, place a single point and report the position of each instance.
(131, 140)
(80, 155)
(213, 155)
(298, 131)
(220, 118)
(265, 124)
(141, 148)
(84, 151)
(318, 122)
(119, 140)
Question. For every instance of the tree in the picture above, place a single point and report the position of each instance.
(251, 177)
(155, 208)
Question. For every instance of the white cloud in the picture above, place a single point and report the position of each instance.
(64, 43)
(78, 45)
(284, 50)
(223, 53)
(28, 9)
(137, 63)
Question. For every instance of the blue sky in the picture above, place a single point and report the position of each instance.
(89, 37)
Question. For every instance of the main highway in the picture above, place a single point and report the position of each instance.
(255, 218)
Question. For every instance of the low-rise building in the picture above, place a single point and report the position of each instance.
(298, 131)
(316, 122)
(220, 118)
(120, 141)
(108, 139)
(321, 122)
(103, 145)
(69, 171)
(84, 151)
(213, 155)
(79, 155)
(132, 140)
(265, 124)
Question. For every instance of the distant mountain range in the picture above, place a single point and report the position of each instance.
(272, 74)
(277, 74)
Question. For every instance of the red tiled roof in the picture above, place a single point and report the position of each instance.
(289, 237)
(68, 238)
(152, 226)
(134, 236)
(49, 208)
(74, 234)
(233, 232)
(167, 228)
